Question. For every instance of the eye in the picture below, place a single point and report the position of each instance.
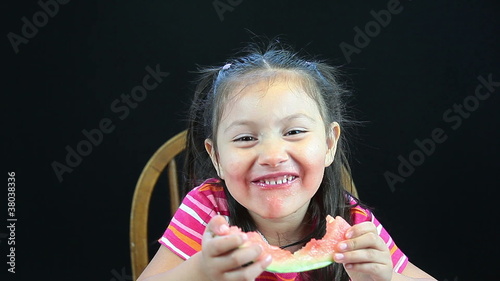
(294, 132)
(244, 139)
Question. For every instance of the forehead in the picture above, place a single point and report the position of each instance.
(262, 81)
(275, 95)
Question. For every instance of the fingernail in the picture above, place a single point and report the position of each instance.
(244, 236)
(342, 246)
(223, 228)
(339, 256)
(348, 266)
(348, 234)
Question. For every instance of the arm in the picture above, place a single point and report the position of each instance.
(411, 272)
(222, 258)
(166, 265)
(366, 257)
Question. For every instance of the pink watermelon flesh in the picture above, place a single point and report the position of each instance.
(315, 254)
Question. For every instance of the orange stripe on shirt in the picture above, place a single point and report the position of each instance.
(393, 249)
(212, 187)
(284, 279)
(193, 244)
(359, 211)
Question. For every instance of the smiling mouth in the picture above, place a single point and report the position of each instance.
(276, 180)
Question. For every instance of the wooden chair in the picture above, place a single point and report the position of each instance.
(163, 158)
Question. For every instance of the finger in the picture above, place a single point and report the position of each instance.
(218, 226)
(220, 245)
(360, 229)
(242, 256)
(238, 258)
(363, 256)
(367, 240)
(250, 271)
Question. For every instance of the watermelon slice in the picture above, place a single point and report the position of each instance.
(315, 254)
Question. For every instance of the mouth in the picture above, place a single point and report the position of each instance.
(275, 181)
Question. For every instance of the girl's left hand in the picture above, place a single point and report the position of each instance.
(364, 254)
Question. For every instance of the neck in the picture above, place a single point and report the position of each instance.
(284, 231)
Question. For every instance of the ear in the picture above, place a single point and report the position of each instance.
(210, 148)
(332, 137)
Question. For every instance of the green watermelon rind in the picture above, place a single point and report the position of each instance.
(296, 267)
(300, 261)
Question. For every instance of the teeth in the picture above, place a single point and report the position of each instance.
(281, 180)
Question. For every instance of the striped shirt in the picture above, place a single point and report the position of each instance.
(184, 233)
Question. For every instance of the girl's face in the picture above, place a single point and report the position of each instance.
(272, 148)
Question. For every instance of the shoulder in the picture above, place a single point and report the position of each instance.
(359, 212)
(184, 233)
(208, 197)
(209, 186)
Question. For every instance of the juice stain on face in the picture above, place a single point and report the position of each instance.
(277, 201)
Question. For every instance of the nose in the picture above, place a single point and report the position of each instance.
(273, 152)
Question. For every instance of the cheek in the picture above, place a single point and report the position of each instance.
(314, 154)
(313, 161)
(234, 167)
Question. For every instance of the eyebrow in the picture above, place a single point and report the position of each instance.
(283, 120)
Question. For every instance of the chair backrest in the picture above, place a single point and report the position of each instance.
(163, 158)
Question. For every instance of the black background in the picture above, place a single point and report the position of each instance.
(65, 78)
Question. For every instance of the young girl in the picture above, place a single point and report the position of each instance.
(265, 134)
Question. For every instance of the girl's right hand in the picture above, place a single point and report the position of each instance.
(224, 258)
